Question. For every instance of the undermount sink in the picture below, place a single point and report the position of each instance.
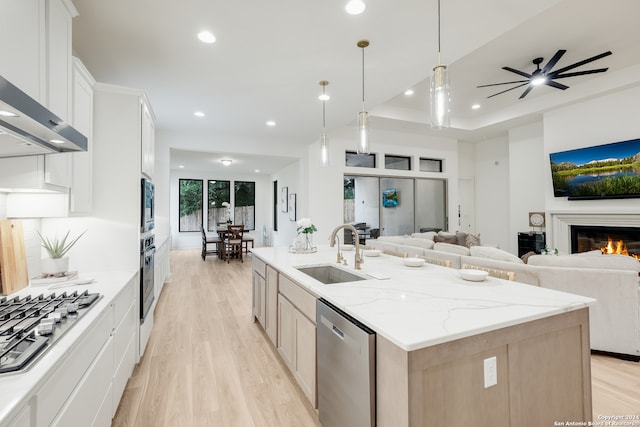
(329, 274)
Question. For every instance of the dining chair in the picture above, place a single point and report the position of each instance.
(233, 242)
(210, 240)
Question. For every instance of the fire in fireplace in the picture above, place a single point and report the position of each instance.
(609, 240)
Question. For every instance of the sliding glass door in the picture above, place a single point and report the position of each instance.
(397, 212)
(431, 205)
(395, 206)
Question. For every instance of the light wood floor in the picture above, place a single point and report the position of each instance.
(208, 364)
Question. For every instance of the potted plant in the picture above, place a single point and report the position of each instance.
(57, 263)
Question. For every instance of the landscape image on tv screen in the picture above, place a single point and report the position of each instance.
(389, 198)
(602, 171)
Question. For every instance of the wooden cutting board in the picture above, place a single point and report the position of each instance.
(13, 260)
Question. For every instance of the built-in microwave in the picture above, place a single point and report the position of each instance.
(147, 206)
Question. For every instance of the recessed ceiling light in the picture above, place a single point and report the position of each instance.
(355, 7)
(257, 170)
(206, 37)
(7, 114)
(198, 114)
(408, 92)
(56, 141)
(475, 106)
(324, 97)
(181, 166)
(271, 123)
(226, 162)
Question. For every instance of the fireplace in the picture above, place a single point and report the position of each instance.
(607, 239)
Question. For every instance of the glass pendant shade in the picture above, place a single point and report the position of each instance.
(440, 97)
(363, 133)
(324, 150)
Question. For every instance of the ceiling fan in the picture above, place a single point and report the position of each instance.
(546, 76)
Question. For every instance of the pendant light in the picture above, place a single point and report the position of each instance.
(363, 116)
(324, 139)
(440, 90)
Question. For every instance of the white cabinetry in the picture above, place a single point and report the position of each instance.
(22, 38)
(148, 141)
(86, 387)
(81, 201)
(35, 40)
(265, 298)
(297, 334)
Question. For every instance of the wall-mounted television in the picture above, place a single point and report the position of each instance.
(389, 198)
(599, 172)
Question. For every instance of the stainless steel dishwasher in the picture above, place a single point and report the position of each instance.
(346, 369)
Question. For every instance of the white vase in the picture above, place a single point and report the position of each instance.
(54, 265)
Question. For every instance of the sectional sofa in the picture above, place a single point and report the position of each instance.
(613, 280)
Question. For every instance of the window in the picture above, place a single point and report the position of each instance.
(218, 192)
(245, 201)
(190, 204)
(360, 160)
(430, 165)
(397, 162)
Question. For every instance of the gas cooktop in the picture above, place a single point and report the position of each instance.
(30, 325)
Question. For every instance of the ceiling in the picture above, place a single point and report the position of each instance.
(270, 56)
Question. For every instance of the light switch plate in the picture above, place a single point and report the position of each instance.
(490, 372)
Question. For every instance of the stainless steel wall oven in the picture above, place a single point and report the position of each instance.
(147, 252)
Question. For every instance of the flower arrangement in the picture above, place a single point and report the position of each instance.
(228, 206)
(306, 226)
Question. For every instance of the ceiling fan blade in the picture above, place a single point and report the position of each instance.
(505, 83)
(580, 73)
(526, 92)
(518, 72)
(515, 87)
(556, 85)
(577, 64)
(553, 61)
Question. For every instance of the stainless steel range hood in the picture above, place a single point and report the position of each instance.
(28, 128)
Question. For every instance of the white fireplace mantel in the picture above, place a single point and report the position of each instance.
(559, 223)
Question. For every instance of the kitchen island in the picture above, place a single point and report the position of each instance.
(449, 351)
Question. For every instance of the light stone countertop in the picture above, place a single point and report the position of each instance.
(17, 388)
(418, 307)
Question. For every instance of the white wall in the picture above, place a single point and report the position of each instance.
(182, 240)
(492, 188)
(294, 178)
(326, 184)
(527, 168)
(603, 120)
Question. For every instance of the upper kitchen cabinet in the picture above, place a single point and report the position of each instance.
(81, 201)
(22, 40)
(148, 138)
(35, 41)
(122, 125)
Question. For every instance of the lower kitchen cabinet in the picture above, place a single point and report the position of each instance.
(297, 335)
(287, 313)
(265, 298)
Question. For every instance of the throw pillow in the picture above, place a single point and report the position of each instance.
(472, 240)
(451, 248)
(451, 239)
(461, 237)
(494, 253)
(525, 257)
